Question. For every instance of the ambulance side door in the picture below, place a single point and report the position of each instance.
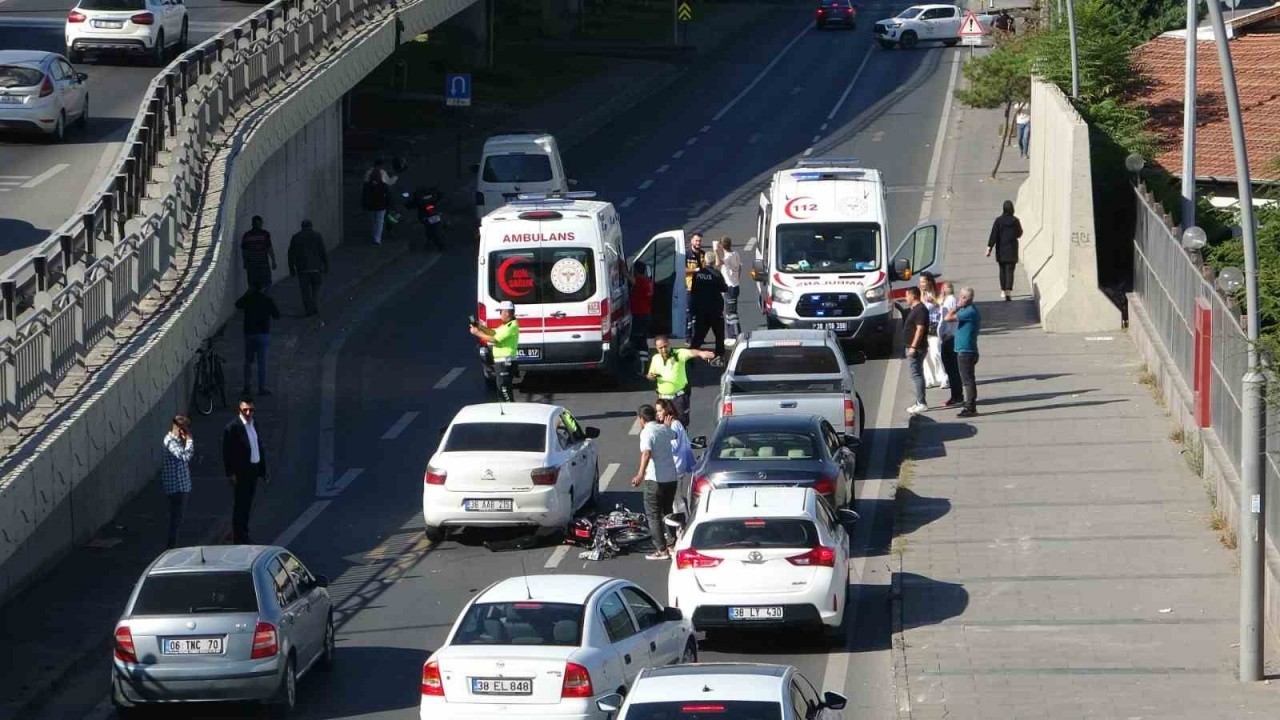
(920, 250)
(664, 255)
(760, 263)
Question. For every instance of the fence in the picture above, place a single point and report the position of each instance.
(1169, 283)
(74, 290)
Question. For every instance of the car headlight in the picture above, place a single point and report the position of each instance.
(780, 295)
(893, 25)
(875, 294)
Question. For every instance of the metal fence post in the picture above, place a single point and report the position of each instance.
(40, 264)
(9, 297)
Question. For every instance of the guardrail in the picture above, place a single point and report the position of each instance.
(77, 288)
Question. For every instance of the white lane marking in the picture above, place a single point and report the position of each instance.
(677, 154)
(646, 184)
(751, 245)
(110, 151)
(849, 88)
(797, 90)
(335, 489)
(635, 428)
(815, 139)
(309, 515)
(691, 141)
(14, 177)
(556, 556)
(755, 138)
(824, 127)
(926, 205)
(627, 203)
(751, 86)
(663, 168)
(4, 189)
(394, 431)
(448, 378)
(705, 128)
(606, 477)
(35, 181)
(11, 182)
(699, 207)
(808, 152)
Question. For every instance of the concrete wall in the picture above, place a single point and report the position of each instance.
(1055, 204)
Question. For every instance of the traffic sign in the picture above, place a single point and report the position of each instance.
(684, 12)
(971, 40)
(457, 90)
(970, 27)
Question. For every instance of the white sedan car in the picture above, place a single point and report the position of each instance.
(741, 691)
(763, 557)
(502, 464)
(41, 92)
(549, 647)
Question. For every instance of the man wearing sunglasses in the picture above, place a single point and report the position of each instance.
(245, 463)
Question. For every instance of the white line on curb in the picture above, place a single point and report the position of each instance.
(926, 205)
(394, 431)
(448, 378)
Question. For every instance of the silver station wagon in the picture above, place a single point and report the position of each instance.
(221, 623)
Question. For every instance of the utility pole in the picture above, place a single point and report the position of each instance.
(1075, 56)
(1252, 469)
(1189, 121)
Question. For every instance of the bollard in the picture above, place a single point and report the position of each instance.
(1203, 363)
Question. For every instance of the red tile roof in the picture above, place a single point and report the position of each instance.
(1257, 64)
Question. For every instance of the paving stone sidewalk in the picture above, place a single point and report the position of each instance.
(1054, 554)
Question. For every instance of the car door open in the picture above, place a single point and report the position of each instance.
(664, 256)
(919, 251)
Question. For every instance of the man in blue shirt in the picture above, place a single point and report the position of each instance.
(968, 325)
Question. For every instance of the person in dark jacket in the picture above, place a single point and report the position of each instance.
(1005, 232)
(258, 309)
(307, 260)
(706, 302)
(244, 460)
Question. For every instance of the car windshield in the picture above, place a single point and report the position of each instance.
(779, 360)
(910, 13)
(702, 710)
(195, 593)
(828, 247)
(755, 533)
(769, 445)
(542, 275)
(496, 437)
(521, 623)
(18, 76)
(113, 5)
(517, 168)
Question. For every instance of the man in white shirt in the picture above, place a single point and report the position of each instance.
(244, 461)
(730, 263)
(658, 473)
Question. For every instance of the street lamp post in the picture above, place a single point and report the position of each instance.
(1189, 121)
(1253, 425)
(1075, 57)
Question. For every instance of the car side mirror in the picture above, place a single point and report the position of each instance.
(610, 703)
(82, 77)
(593, 432)
(847, 517)
(322, 581)
(902, 269)
(834, 701)
(853, 442)
(857, 357)
(698, 443)
(672, 614)
(758, 271)
(675, 520)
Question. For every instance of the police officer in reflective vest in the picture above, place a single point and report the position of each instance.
(504, 341)
(668, 370)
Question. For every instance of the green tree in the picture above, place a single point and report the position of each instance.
(999, 79)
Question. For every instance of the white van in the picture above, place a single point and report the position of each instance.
(822, 258)
(518, 163)
(560, 261)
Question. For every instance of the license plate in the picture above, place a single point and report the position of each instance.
(433, 219)
(489, 505)
(192, 646)
(110, 24)
(10, 99)
(529, 353)
(837, 326)
(501, 686)
(756, 613)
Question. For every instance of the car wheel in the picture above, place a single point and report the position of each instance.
(690, 654)
(909, 40)
(886, 44)
(951, 43)
(182, 39)
(83, 121)
(434, 533)
(327, 655)
(157, 51)
(287, 696)
(59, 128)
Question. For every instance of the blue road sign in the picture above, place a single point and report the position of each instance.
(457, 90)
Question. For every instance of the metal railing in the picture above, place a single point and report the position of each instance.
(72, 292)
(1169, 282)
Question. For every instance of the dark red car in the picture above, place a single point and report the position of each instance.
(836, 12)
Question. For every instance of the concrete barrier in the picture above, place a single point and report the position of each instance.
(1055, 204)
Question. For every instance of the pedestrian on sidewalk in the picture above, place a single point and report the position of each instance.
(258, 256)
(258, 309)
(1005, 232)
(692, 264)
(658, 474)
(681, 449)
(1022, 119)
(641, 311)
(968, 325)
(706, 300)
(244, 461)
(935, 375)
(917, 335)
(175, 472)
(947, 334)
(308, 259)
(730, 263)
(668, 370)
(375, 196)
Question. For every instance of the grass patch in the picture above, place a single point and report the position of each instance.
(906, 474)
(1217, 519)
(1193, 453)
(899, 546)
(1146, 377)
(1178, 436)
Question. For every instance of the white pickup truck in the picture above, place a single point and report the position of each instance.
(920, 23)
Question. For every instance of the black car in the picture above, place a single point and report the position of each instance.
(777, 450)
(836, 12)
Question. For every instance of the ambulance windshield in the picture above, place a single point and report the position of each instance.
(517, 168)
(828, 247)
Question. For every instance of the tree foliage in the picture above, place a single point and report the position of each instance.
(999, 79)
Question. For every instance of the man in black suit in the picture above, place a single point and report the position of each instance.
(245, 462)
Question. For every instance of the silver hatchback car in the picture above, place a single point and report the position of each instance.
(222, 623)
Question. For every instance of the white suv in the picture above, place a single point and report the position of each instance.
(148, 28)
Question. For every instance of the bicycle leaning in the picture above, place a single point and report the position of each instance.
(210, 381)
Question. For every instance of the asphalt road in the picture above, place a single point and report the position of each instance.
(708, 147)
(41, 184)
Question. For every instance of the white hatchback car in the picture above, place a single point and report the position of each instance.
(761, 557)
(549, 647)
(741, 691)
(146, 28)
(41, 92)
(504, 464)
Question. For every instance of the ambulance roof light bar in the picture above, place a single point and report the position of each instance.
(554, 198)
(826, 162)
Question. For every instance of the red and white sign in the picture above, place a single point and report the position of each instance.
(970, 27)
(801, 208)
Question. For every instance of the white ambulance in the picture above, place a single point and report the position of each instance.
(823, 259)
(559, 259)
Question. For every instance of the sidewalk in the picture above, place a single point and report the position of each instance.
(59, 628)
(1053, 555)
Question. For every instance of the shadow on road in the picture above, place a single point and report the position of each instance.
(17, 236)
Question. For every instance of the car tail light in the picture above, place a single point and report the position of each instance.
(46, 87)
(850, 412)
(75, 16)
(540, 215)
(145, 18)
(431, 682)
(265, 644)
(431, 209)
(821, 12)
(818, 557)
(606, 322)
(124, 645)
(825, 486)
(545, 476)
(701, 709)
(848, 11)
(435, 476)
(701, 484)
(577, 682)
(726, 408)
(690, 558)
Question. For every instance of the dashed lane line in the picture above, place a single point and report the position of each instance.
(448, 378)
(335, 488)
(646, 184)
(400, 425)
(295, 529)
(556, 556)
(662, 168)
(606, 477)
(677, 154)
(627, 203)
